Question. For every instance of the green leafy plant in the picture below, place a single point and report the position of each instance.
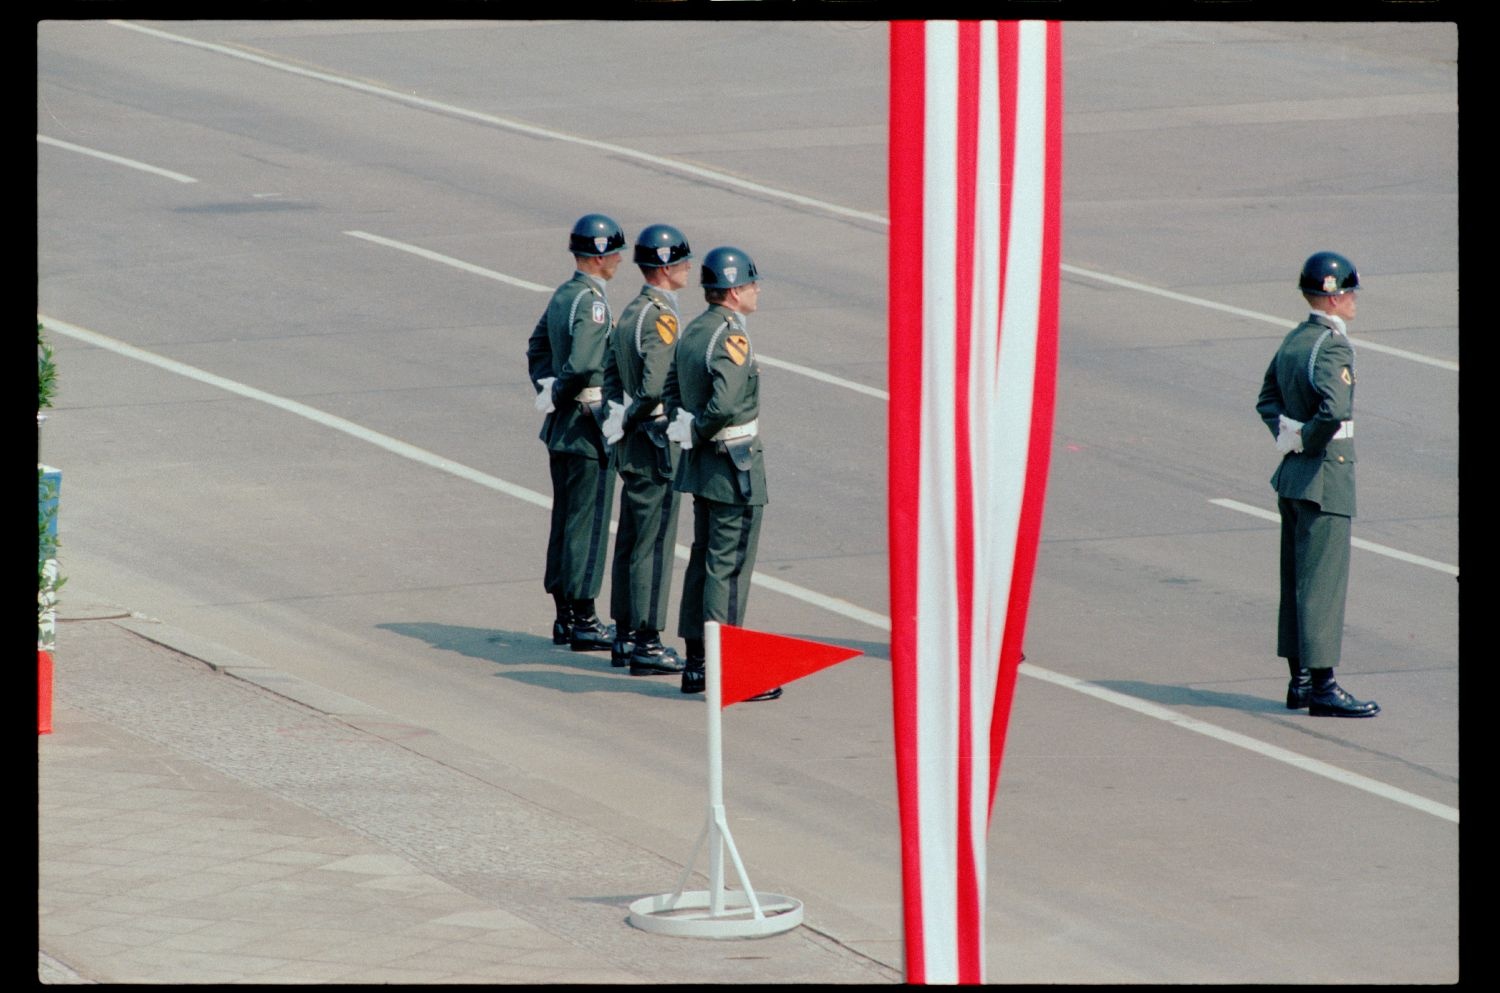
(46, 372)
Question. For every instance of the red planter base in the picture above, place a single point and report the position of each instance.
(43, 691)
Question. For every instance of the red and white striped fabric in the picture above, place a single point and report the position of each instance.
(975, 204)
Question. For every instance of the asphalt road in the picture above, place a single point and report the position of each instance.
(290, 268)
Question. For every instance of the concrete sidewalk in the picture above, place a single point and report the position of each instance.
(205, 818)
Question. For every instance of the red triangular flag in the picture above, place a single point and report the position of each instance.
(751, 662)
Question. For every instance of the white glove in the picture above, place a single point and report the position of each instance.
(681, 429)
(614, 424)
(544, 398)
(1290, 438)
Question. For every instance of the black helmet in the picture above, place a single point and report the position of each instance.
(725, 267)
(661, 245)
(596, 234)
(1327, 274)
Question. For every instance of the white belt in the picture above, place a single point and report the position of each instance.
(735, 431)
(1346, 430)
(590, 394)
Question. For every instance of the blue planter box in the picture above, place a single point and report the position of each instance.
(49, 488)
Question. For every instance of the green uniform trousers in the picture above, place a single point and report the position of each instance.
(716, 585)
(1314, 581)
(582, 489)
(645, 545)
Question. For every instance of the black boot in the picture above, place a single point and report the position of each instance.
(589, 634)
(1300, 688)
(619, 652)
(562, 627)
(774, 693)
(694, 678)
(1329, 699)
(651, 658)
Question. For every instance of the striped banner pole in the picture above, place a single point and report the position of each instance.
(975, 207)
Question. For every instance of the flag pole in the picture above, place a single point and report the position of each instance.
(713, 694)
(718, 832)
(671, 913)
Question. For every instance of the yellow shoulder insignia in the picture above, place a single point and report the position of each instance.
(738, 347)
(1346, 377)
(666, 327)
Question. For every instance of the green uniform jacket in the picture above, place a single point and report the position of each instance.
(1311, 379)
(640, 358)
(716, 379)
(569, 343)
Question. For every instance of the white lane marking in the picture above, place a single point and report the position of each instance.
(116, 159)
(509, 124)
(831, 604)
(823, 377)
(1359, 343)
(537, 287)
(692, 170)
(1369, 546)
(412, 452)
(300, 409)
(402, 246)
(1314, 766)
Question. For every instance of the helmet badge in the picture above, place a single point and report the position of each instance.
(601, 243)
(731, 272)
(664, 252)
(1330, 283)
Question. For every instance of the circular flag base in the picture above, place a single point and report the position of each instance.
(689, 915)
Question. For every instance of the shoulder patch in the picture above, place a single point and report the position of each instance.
(1347, 376)
(738, 347)
(666, 328)
(598, 312)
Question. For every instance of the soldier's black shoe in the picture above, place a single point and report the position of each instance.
(620, 649)
(1299, 689)
(650, 658)
(694, 678)
(772, 694)
(562, 625)
(589, 634)
(1329, 699)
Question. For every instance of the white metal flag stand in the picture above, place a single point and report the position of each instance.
(716, 912)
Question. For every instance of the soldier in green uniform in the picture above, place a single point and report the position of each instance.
(635, 373)
(1307, 400)
(713, 396)
(565, 359)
